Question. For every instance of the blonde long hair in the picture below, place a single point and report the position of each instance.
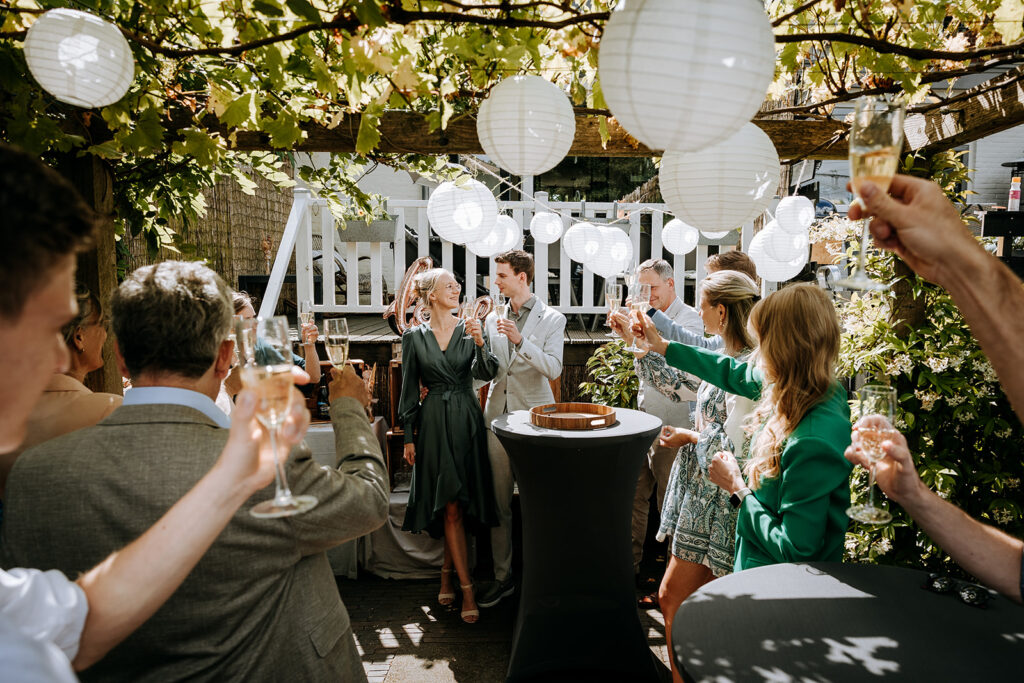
(798, 333)
(738, 294)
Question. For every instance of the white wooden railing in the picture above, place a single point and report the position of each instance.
(310, 224)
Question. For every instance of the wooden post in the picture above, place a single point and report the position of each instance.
(97, 267)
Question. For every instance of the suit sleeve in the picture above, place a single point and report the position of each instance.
(673, 331)
(546, 359)
(409, 402)
(352, 498)
(725, 372)
(812, 470)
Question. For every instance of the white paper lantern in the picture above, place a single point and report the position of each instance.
(780, 271)
(715, 234)
(615, 254)
(795, 214)
(679, 238)
(526, 125)
(462, 213)
(756, 250)
(685, 75)
(722, 186)
(506, 234)
(783, 246)
(546, 227)
(79, 58)
(582, 241)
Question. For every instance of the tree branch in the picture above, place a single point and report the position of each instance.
(789, 15)
(885, 47)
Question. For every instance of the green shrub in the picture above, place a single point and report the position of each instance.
(614, 381)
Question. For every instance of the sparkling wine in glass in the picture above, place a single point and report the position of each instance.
(613, 297)
(639, 303)
(500, 307)
(336, 340)
(876, 138)
(305, 312)
(876, 401)
(269, 376)
(466, 314)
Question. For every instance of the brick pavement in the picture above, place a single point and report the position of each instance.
(403, 635)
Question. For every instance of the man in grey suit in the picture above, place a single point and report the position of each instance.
(529, 353)
(262, 604)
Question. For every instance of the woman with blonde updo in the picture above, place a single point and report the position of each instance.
(696, 514)
(794, 507)
(445, 435)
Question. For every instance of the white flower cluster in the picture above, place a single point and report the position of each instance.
(883, 546)
(956, 400)
(937, 364)
(902, 364)
(927, 399)
(834, 228)
(1005, 433)
(966, 416)
(1002, 515)
(1013, 483)
(988, 373)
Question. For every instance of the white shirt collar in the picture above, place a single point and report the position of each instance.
(138, 396)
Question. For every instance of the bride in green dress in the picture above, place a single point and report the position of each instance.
(445, 435)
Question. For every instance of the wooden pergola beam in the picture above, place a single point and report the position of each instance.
(403, 132)
(991, 107)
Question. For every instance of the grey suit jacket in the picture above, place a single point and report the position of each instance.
(523, 374)
(262, 604)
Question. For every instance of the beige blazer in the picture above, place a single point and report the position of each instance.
(523, 374)
(262, 604)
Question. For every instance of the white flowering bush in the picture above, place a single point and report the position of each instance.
(968, 443)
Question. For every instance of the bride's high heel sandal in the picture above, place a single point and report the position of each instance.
(446, 599)
(470, 616)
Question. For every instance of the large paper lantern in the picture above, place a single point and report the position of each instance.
(685, 75)
(79, 58)
(526, 125)
(780, 271)
(462, 213)
(615, 254)
(582, 241)
(722, 186)
(783, 246)
(795, 214)
(506, 234)
(715, 234)
(679, 238)
(546, 227)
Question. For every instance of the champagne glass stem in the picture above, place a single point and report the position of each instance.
(871, 487)
(865, 235)
(282, 494)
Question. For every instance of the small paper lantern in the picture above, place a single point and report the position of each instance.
(462, 213)
(685, 75)
(526, 125)
(79, 58)
(722, 186)
(795, 214)
(780, 271)
(506, 234)
(679, 238)
(783, 246)
(546, 227)
(582, 241)
(615, 254)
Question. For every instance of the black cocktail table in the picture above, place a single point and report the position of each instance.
(578, 618)
(842, 622)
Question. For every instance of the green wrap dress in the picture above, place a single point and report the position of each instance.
(448, 430)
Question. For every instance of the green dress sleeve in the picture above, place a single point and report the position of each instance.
(811, 470)
(409, 404)
(485, 363)
(723, 371)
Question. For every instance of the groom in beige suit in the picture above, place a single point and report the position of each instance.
(528, 345)
(262, 604)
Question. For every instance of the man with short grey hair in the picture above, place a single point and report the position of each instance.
(262, 604)
(654, 474)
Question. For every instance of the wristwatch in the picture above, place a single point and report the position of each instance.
(736, 499)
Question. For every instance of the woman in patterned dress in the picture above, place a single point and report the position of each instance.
(696, 513)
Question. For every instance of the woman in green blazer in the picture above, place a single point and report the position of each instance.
(794, 507)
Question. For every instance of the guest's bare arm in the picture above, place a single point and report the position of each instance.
(924, 229)
(130, 585)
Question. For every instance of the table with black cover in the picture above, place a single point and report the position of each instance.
(843, 622)
(578, 618)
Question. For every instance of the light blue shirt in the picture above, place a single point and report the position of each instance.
(140, 396)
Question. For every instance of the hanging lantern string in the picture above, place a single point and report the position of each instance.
(800, 176)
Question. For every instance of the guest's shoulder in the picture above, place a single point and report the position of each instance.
(551, 313)
(414, 332)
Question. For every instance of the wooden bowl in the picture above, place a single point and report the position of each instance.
(572, 416)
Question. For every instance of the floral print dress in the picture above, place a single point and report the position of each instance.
(696, 513)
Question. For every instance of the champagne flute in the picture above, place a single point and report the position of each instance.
(269, 376)
(639, 303)
(306, 312)
(613, 297)
(876, 138)
(466, 314)
(875, 400)
(500, 308)
(336, 341)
